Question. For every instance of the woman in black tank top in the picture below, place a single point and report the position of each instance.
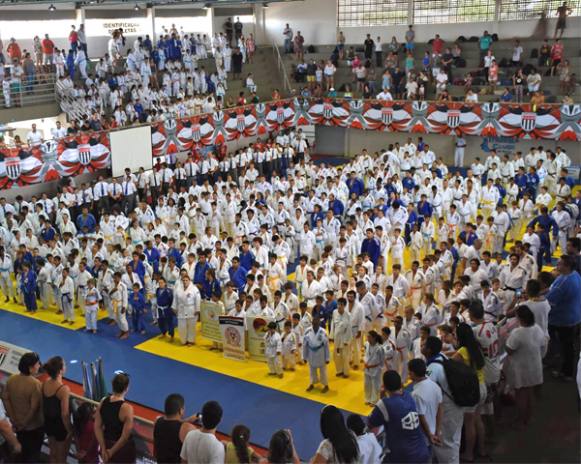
(114, 424)
(55, 405)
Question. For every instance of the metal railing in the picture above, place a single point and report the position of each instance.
(29, 90)
(281, 68)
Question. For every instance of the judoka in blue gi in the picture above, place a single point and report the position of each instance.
(138, 304)
(28, 287)
(165, 318)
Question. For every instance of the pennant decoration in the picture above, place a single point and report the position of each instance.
(89, 152)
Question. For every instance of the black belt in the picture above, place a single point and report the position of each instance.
(511, 289)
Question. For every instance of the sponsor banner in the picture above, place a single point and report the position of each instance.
(209, 315)
(10, 356)
(256, 327)
(233, 337)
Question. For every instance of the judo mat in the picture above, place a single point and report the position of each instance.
(158, 368)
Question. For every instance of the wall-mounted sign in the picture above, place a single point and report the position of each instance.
(104, 27)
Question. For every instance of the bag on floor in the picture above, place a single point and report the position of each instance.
(535, 53)
(311, 49)
(463, 382)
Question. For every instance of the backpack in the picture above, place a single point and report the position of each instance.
(460, 62)
(463, 382)
(311, 49)
(495, 37)
(535, 53)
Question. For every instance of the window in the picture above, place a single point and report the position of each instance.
(531, 9)
(453, 11)
(353, 13)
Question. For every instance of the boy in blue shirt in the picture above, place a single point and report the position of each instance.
(138, 304)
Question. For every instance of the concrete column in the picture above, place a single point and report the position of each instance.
(151, 19)
(79, 15)
(411, 13)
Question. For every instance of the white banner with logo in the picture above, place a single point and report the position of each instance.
(209, 314)
(10, 357)
(257, 327)
(233, 337)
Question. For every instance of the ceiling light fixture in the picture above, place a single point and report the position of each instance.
(136, 7)
(265, 5)
(51, 7)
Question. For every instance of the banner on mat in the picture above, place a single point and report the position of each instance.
(257, 327)
(233, 337)
(210, 313)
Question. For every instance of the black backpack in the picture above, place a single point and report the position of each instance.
(463, 382)
(535, 53)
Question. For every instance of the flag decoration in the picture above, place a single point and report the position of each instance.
(88, 152)
(53, 160)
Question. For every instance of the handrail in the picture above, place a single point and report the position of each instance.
(30, 90)
(281, 68)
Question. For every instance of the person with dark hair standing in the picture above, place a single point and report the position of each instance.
(397, 413)
(170, 430)
(23, 401)
(55, 405)
(339, 444)
(565, 314)
(202, 446)
(281, 449)
(524, 367)
(452, 415)
(114, 424)
(369, 448)
(237, 450)
(470, 353)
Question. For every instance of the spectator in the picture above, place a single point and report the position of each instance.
(484, 43)
(329, 73)
(393, 46)
(452, 415)
(488, 59)
(37, 46)
(73, 39)
(537, 99)
(441, 81)
(237, 450)
(86, 441)
(456, 53)
(493, 76)
(384, 95)
(378, 52)
(57, 416)
(368, 47)
(48, 50)
(13, 50)
(202, 446)
(428, 398)
(281, 449)
(23, 401)
(517, 51)
(82, 38)
(562, 12)
(237, 60)
(299, 46)
(524, 367)
(471, 97)
(565, 314)
(544, 53)
(341, 45)
(288, 38)
(170, 430)
(369, 448)
(556, 55)
(339, 443)
(564, 72)
(410, 35)
(534, 80)
(506, 96)
(114, 424)
(409, 63)
(518, 81)
(437, 45)
(397, 413)
(470, 353)
(9, 444)
(238, 28)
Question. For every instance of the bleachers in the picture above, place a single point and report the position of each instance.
(470, 52)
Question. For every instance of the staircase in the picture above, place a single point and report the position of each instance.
(264, 70)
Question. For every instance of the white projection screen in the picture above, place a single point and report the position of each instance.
(131, 148)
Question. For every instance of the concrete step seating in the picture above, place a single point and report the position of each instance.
(470, 52)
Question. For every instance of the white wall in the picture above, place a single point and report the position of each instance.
(317, 21)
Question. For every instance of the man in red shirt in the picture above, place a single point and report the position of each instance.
(437, 45)
(47, 51)
(73, 39)
(13, 50)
